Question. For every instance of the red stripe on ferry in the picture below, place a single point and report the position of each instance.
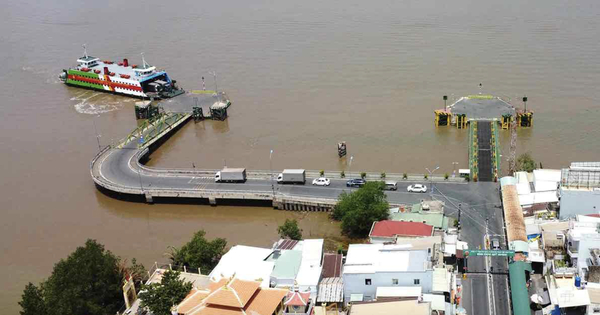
(102, 82)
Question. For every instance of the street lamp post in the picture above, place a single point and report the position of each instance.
(350, 165)
(271, 172)
(432, 182)
(454, 164)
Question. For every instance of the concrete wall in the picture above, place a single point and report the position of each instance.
(381, 240)
(583, 249)
(355, 283)
(574, 202)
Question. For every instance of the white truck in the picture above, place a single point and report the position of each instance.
(292, 177)
(231, 175)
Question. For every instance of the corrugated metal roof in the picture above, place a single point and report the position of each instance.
(513, 214)
(331, 290)
(332, 266)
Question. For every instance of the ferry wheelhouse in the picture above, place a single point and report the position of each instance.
(120, 77)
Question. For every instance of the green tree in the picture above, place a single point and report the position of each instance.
(359, 209)
(88, 282)
(199, 253)
(161, 297)
(526, 163)
(137, 271)
(32, 301)
(289, 229)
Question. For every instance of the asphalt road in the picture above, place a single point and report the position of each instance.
(480, 202)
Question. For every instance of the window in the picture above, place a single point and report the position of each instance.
(395, 281)
(367, 281)
(417, 281)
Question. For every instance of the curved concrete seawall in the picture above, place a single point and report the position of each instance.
(119, 170)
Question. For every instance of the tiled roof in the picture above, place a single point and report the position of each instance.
(332, 266)
(244, 289)
(235, 294)
(233, 297)
(388, 228)
(224, 296)
(296, 298)
(192, 300)
(265, 301)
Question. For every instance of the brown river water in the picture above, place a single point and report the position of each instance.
(303, 75)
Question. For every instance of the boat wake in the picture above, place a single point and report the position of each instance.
(92, 103)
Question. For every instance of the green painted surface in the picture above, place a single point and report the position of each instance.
(84, 84)
(437, 220)
(287, 265)
(483, 252)
(417, 214)
(518, 288)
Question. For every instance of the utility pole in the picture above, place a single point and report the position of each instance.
(432, 183)
(350, 164)
(271, 172)
(459, 210)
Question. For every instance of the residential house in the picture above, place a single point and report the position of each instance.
(309, 273)
(246, 263)
(287, 266)
(132, 303)
(581, 232)
(331, 286)
(580, 189)
(387, 231)
(369, 266)
(428, 211)
(233, 296)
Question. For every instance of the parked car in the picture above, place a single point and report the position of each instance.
(321, 181)
(389, 185)
(357, 182)
(420, 188)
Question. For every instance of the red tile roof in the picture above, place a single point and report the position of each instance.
(296, 298)
(389, 228)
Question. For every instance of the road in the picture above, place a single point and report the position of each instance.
(478, 203)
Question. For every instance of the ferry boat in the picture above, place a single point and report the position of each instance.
(120, 77)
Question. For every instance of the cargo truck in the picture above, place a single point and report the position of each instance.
(231, 175)
(292, 177)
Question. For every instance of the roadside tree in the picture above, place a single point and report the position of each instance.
(359, 209)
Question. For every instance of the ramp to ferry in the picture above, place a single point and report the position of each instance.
(484, 157)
